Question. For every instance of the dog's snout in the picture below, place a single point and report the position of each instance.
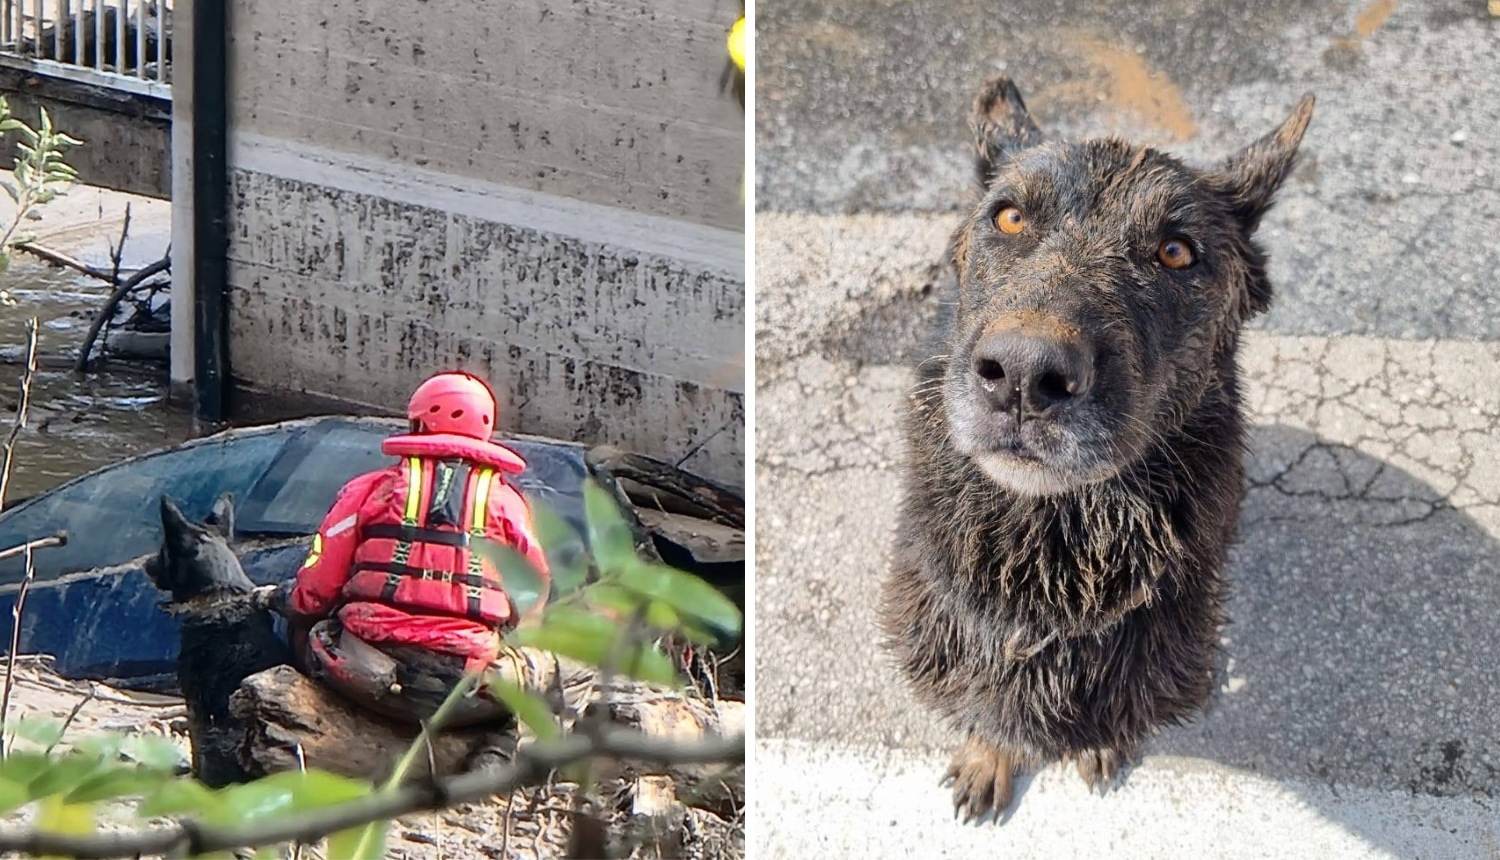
(1035, 372)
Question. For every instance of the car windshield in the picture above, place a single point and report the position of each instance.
(112, 517)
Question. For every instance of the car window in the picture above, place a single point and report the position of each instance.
(296, 492)
(113, 516)
(554, 477)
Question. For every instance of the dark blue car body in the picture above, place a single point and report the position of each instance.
(91, 606)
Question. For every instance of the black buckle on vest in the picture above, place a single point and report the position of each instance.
(416, 534)
(394, 570)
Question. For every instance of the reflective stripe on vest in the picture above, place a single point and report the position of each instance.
(315, 554)
(480, 519)
(409, 520)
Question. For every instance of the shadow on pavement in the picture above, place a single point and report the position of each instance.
(1362, 646)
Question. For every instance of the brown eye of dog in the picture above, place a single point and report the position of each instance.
(1175, 254)
(1010, 220)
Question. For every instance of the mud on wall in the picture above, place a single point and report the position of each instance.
(545, 193)
(358, 296)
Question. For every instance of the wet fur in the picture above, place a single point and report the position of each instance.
(1070, 614)
(220, 646)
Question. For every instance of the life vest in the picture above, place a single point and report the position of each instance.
(416, 548)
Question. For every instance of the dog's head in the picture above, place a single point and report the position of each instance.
(195, 560)
(1102, 290)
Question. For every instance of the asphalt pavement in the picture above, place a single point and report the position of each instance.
(1359, 714)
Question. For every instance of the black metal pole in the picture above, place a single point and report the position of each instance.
(210, 70)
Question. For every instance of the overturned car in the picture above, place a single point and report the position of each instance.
(93, 608)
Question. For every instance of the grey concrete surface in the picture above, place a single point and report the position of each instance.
(862, 104)
(548, 194)
(1357, 714)
(615, 103)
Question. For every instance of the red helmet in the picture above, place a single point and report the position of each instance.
(453, 402)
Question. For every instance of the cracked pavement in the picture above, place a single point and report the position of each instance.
(1359, 711)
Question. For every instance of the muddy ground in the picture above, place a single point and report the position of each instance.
(528, 825)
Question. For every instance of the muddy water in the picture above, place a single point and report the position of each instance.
(78, 423)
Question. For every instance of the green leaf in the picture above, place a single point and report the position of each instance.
(650, 665)
(591, 639)
(65, 774)
(46, 121)
(10, 190)
(523, 582)
(687, 594)
(12, 795)
(609, 535)
(606, 595)
(315, 788)
(156, 753)
(23, 767)
(9, 124)
(662, 616)
(572, 633)
(42, 732)
(181, 796)
(264, 798)
(117, 782)
(104, 745)
(27, 133)
(69, 140)
(360, 843)
(528, 707)
(567, 554)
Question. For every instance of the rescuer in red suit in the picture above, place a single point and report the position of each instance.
(393, 604)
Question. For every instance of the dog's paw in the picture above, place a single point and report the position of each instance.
(1100, 768)
(982, 776)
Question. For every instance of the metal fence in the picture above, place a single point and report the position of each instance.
(123, 44)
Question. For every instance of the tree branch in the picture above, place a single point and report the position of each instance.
(58, 258)
(530, 767)
(108, 310)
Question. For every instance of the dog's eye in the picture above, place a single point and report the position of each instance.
(1175, 254)
(1010, 220)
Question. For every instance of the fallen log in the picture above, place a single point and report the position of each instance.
(285, 713)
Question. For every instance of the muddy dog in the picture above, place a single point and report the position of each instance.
(221, 645)
(1074, 471)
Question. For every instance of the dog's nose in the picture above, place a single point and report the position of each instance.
(1038, 371)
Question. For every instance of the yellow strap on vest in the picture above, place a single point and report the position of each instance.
(481, 514)
(413, 490)
(479, 518)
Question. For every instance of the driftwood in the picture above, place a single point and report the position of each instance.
(285, 711)
(712, 787)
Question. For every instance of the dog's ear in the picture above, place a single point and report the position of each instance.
(221, 518)
(1252, 176)
(1002, 127)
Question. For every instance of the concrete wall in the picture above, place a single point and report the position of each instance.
(545, 192)
(126, 137)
